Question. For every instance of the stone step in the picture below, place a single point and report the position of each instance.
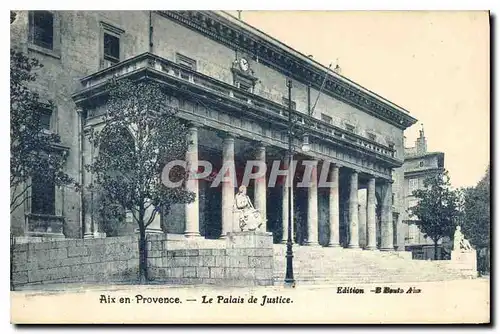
(323, 265)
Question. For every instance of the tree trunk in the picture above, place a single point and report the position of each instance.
(436, 250)
(143, 255)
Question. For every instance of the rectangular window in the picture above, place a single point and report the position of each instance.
(186, 62)
(45, 119)
(111, 48)
(413, 233)
(285, 103)
(43, 194)
(412, 185)
(326, 118)
(41, 28)
(412, 203)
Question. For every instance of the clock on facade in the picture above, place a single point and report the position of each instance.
(244, 64)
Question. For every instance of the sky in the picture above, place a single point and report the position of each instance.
(433, 64)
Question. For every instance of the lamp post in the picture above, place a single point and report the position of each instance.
(289, 280)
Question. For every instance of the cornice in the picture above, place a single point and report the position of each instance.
(217, 94)
(237, 37)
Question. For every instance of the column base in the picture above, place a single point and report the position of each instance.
(333, 245)
(353, 247)
(192, 234)
(88, 235)
(371, 248)
(151, 231)
(387, 249)
(311, 243)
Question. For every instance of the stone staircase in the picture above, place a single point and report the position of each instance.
(325, 265)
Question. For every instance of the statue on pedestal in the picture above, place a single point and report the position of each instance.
(459, 241)
(248, 217)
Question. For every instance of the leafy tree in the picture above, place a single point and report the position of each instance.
(476, 210)
(437, 208)
(141, 134)
(33, 151)
(475, 218)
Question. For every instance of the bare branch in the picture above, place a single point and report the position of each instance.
(13, 204)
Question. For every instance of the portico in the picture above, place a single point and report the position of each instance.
(328, 210)
(229, 126)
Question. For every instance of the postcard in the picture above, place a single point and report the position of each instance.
(250, 167)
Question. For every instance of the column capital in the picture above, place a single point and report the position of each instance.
(194, 124)
(260, 144)
(227, 135)
(354, 170)
(383, 180)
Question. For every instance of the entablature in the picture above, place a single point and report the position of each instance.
(229, 102)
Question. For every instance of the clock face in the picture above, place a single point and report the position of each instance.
(244, 64)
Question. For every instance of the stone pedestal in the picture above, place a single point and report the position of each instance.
(250, 239)
(465, 262)
(249, 258)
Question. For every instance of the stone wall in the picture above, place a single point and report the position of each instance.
(246, 260)
(243, 259)
(75, 260)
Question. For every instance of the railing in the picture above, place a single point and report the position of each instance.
(223, 89)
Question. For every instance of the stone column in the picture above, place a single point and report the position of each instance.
(353, 211)
(88, 195)
(227, 185)
(371, 225)
(312, 209)
(362, 222)
(260, 191)
(192, 227)
(333, 206)
(285, 208)
(386, 242)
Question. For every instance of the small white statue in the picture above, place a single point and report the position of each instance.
(248, 217)
(459, 241)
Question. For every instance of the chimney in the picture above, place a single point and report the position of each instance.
(421, 142)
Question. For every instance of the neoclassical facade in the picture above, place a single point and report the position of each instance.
(228, 80)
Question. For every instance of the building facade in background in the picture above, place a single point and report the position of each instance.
(229, 82)
(419, 165)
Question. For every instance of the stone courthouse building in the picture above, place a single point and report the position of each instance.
(229, 81)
